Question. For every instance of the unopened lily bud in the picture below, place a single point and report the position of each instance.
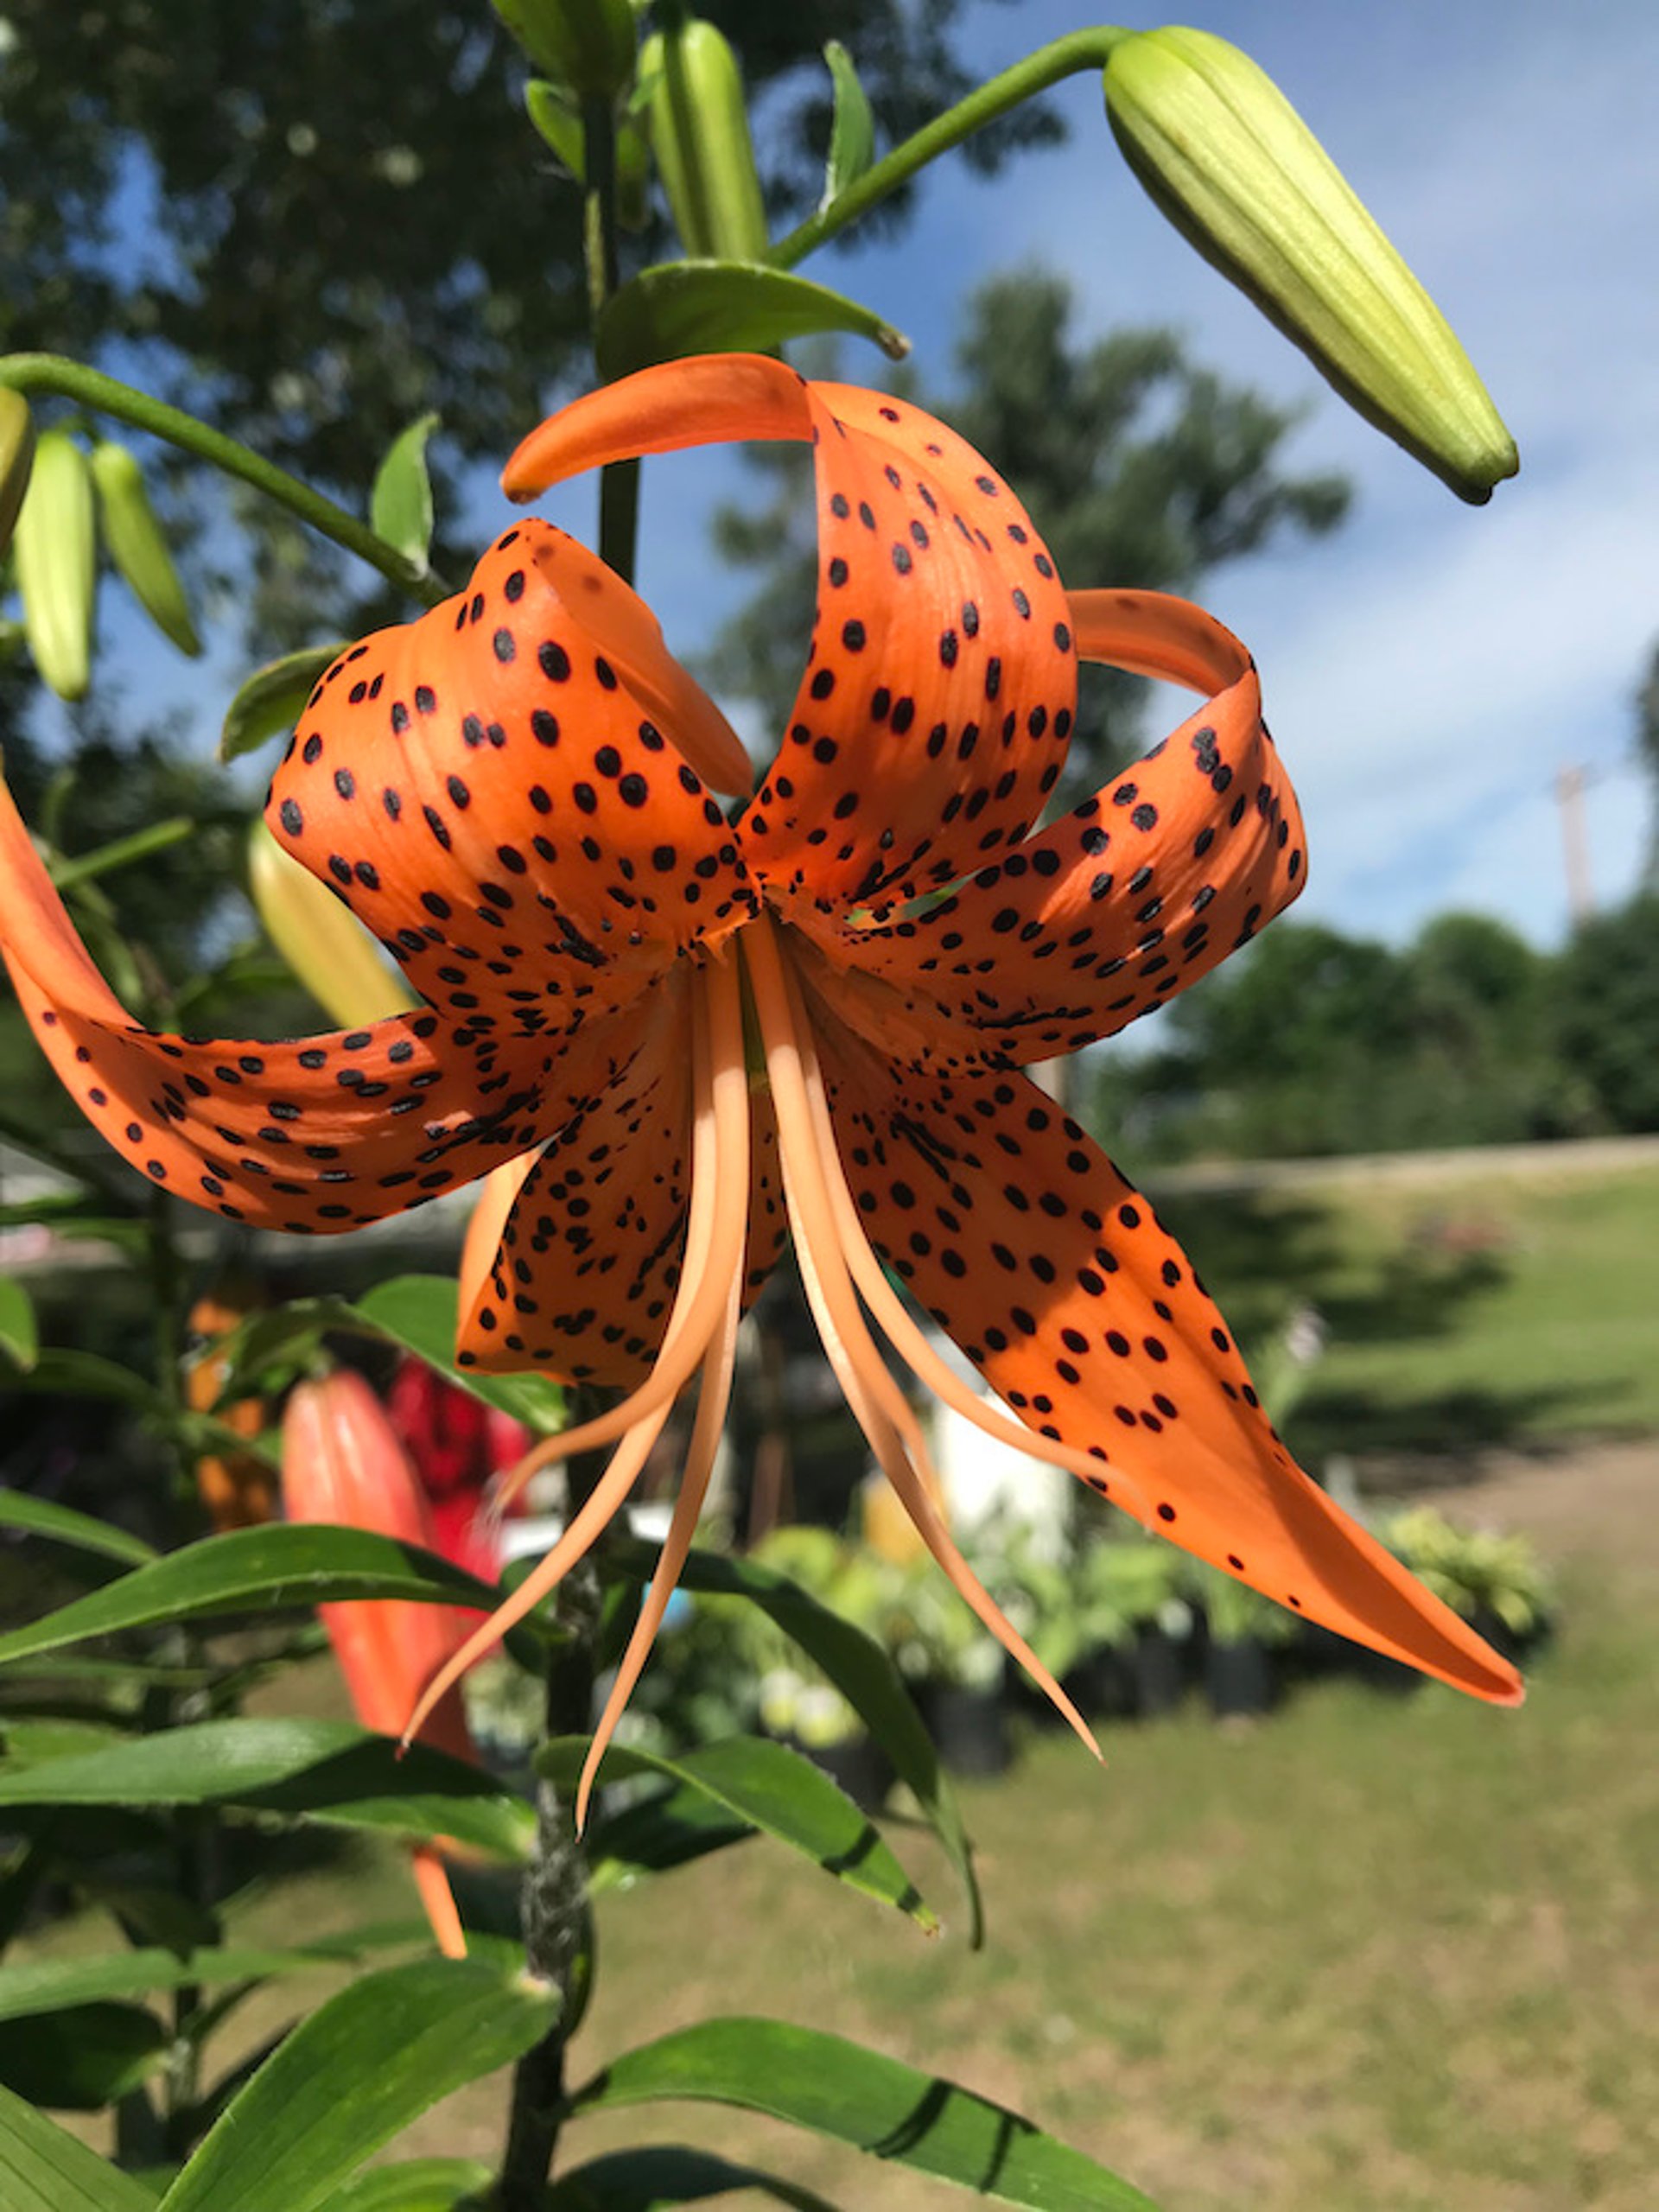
(323, 941)
(698, 120)
(1233, 166)
(138, 547)
(586, 44)
(17, 458)
(57, 564)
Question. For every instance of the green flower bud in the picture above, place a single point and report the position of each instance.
(698, 120)
(588, 45)
(17, 458)
(323, 941)
(57, 564)
(137, 546)
(1233, 166)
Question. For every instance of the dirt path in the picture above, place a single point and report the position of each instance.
(1594, 1501)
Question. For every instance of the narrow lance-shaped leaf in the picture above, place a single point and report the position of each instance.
(400, 506)
(860, 1670)
(416, 2185)
(43, 1516)
(273, 698)
(45, 2169)
(369, 2061)
(775, 1790)
(82, 2056)
(893, 2111)
(20, 1338)
(679, 307)
(852, 134)
(252, 1570)
(323, 1770)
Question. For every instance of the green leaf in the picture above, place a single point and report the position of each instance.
(878, 2104)
(254, 1570)
(43, 2169)
(400, 506)
(419, 1312)
(368, 2062)
(81, 2057)
(418, 2185)
(46, 1985)
(20, 1338)
(715, 307)
(323, 1770)
(852, 134)
(19, 1509)
(559, 124)
(652, 2179)
(273, 698)
(775, 1790)
(88, 1374)
(668, 1829)
(857, 1666)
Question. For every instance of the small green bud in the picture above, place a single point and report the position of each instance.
(17, 458)
(586, 44)
(57, 564)
(1233, 166)
(138, 547)
(697, 119)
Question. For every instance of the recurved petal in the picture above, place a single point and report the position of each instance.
(1023, 1241)
(488, 791)
(933, 718)
(321, 1134)
(1140, 890)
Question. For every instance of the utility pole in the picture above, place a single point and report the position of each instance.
(1575, 845)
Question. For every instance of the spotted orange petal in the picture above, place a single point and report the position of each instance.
(488, 791)
(321, 1134)
(1025, 1244)
(1140, 890)
(934, 715)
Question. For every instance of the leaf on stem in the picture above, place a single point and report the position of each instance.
(724, 307)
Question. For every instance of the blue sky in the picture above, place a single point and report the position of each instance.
(1429, 668)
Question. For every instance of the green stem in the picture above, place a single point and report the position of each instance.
(122, 851)
(1064, 57)
(69, 379)
(619, 481)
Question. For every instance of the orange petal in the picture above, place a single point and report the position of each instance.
(1023, 1241)
(588, 1252)
(1140, 890)
(321, 1134)
(492, 798)
(708, 399)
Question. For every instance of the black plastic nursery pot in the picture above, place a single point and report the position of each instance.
(1158, 1663)
(969, 1728)
(1240, 1678)
(1103, 1684)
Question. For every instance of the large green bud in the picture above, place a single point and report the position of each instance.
(16, 458)
(138, 547)
(698, 120)
(1230, 162)
(57, 564)
(585, 45)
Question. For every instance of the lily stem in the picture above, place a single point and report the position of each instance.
(1050, 65)
(105, 395)
(619, 481)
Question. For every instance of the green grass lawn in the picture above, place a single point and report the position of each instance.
(1488, 1311)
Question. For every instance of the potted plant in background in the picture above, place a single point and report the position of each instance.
(1498, 1583)
(1246, 1633)
(1144, 1585)
(958, 1672)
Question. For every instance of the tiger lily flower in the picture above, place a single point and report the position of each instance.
(692, 1034)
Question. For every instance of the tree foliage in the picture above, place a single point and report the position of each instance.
(1146, 469)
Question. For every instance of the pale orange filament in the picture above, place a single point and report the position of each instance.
(886, 1419)
(433, 1883)
(719, 1151)
(714, 1239)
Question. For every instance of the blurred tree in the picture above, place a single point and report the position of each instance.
(1607, 990)
(221, 202)
(1647, 753)
(1316, 1042)
(1142, 468)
